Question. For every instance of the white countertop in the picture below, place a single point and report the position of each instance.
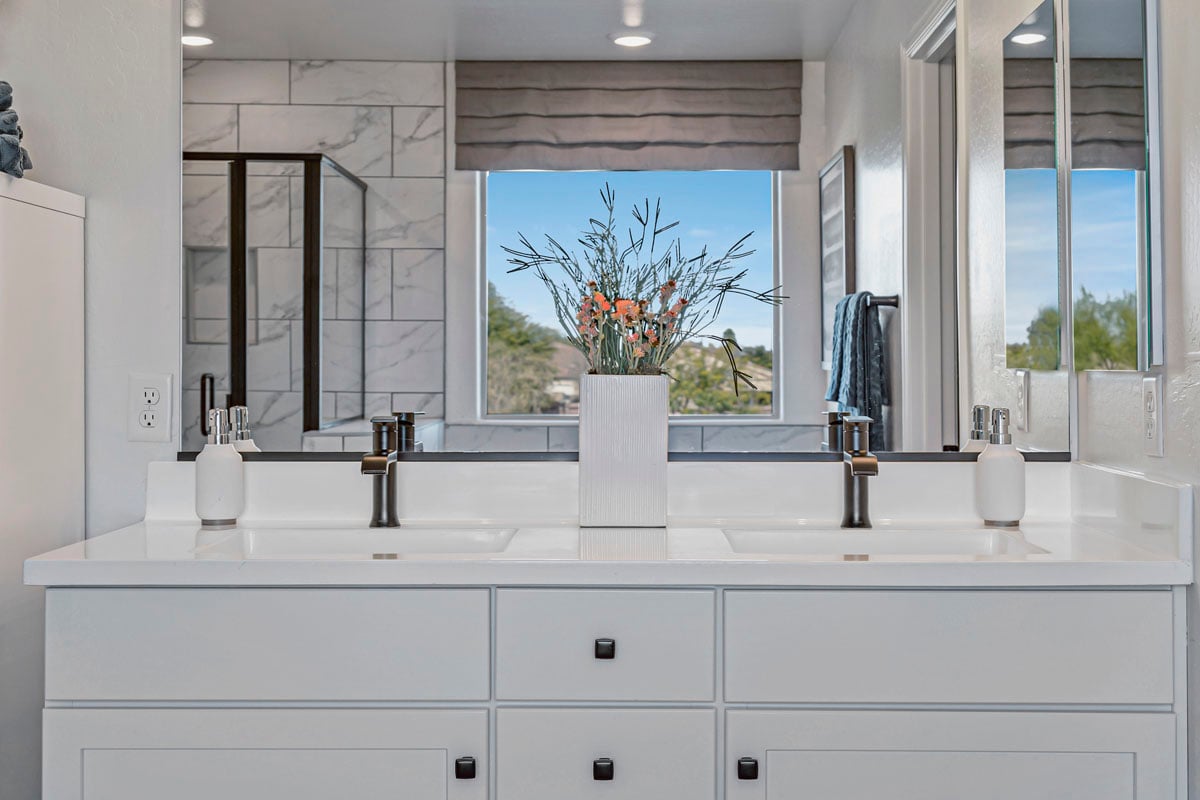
(689, 553)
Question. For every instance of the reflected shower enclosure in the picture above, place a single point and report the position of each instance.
(273, 260)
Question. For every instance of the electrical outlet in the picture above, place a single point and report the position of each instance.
(1152, 416)
(149, 407)
(1021, 409)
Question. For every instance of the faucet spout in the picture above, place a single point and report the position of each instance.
(866, 465)
(378, 463)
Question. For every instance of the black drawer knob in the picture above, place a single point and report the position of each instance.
(747, 769)
(464, 768)
(602, 769)
(606, 649)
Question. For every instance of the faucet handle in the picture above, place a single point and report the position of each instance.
(856, 435)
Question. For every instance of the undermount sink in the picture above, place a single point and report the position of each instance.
(361, 544)
(843, 543)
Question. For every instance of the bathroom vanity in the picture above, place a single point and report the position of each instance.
(491, 651)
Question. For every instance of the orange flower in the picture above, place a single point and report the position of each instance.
(602, 301)
(625, 307)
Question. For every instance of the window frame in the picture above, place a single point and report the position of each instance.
(795, 266)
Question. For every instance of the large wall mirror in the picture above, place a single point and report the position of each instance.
(353, 195)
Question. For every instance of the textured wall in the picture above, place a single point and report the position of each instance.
(97, 86)
(983, 25)
(1110, 402)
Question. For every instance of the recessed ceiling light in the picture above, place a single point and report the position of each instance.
(1029, 38)
(633, 39)
(195, 40)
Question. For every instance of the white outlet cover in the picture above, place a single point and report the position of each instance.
(143, 388)
(1152, 416)
(1021, 410)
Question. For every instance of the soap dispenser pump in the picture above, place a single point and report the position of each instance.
(243, 441)
(1000, 477)
(220, 491)
(979, 430)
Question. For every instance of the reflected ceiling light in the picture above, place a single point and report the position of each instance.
(195, 40)
(633, 13)
(193, 13)
(633, 38)
(1029, 38)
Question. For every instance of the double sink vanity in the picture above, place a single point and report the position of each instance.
(491, 648)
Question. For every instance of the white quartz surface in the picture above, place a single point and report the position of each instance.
(688, 553)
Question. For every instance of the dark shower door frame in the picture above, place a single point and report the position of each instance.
(313, 247)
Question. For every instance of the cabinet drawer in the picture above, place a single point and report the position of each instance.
(604, 645)
(948, 646)
(552, 754)
(267, 644)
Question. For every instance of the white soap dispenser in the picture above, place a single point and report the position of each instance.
(219, 481)
(979, 430)
(1000, 477)
(243, 442)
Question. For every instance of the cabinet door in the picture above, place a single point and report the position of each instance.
(926, 755)
(253, 754)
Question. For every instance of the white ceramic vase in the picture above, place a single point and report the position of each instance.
(623, 451)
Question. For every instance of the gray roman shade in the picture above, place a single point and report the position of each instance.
(627, 115)
(1108, 114)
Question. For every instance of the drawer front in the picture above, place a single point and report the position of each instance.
(267, 644)
(554, 754)
(948, 647)
(604, 645)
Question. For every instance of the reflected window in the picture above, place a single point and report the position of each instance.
(1107, 215)
(1032, 314)
(530, 368)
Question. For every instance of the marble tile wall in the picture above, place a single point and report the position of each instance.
(384, 121)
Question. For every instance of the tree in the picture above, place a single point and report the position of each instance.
(1105, 332)
(1040, 352)
(1106, 336)
(520, 360)
(701, 383)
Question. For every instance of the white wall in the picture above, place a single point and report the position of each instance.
(96, 83)
(1110, 402)
(863, 109)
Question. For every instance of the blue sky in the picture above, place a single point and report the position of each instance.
(713, 208)
(1104, 240)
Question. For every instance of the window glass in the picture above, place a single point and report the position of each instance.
(530, 368)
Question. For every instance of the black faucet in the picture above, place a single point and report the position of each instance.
(858, 464)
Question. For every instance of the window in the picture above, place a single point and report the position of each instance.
(1107, 214)
(530, 370)
(1032, 328)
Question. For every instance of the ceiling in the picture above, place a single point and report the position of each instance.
(436, 30)
(1099, 29)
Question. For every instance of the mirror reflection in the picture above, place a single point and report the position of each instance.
(1032, 324)
(383, 286)
(1109, 186)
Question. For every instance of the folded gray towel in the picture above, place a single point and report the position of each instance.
(8, 123)
(14, 159)
(858, 369)
(5, 95)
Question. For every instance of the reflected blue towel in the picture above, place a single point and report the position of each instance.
(858, 368)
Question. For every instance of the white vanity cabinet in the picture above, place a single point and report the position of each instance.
(619, 693)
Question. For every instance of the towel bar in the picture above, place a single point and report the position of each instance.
(892, 300)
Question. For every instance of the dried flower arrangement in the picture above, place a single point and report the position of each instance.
(628, 308)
